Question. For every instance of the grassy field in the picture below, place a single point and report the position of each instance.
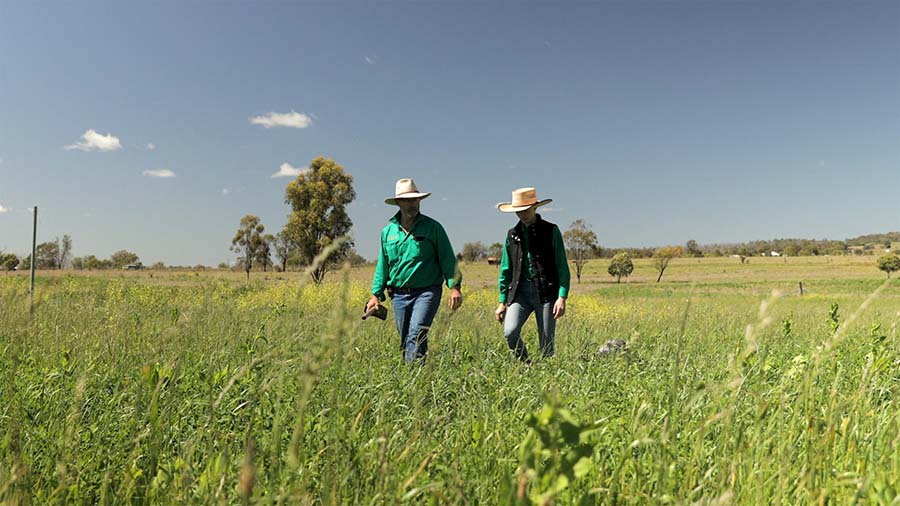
(183, 387)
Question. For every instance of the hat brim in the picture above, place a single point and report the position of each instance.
(507, 207)
(413, 195)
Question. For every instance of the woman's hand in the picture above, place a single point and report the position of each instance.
(559, 308)
(500, 313)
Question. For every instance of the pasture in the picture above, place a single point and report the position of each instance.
(199, 387)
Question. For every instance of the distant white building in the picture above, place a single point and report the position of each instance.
(775, 254)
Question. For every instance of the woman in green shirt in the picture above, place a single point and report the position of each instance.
(534, 274)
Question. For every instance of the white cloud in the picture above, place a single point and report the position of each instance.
(151, 146)
(158, 173)
(92, 141)
(371, 60)
(3, 209)
(291, 119)
(229, 191)
(287, 170)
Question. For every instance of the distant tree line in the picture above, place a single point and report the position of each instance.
(870, 245)
(57, 254)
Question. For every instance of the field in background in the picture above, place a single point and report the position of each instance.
(200, 387)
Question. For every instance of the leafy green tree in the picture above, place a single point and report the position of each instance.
(247, 241)
(495, 250)
(318, 199)
(693, 249)
(473, 251)
(580, 243)
(91, 262)
(620, 266)
(889, 263)
(264, 253)
(122, 258)
(663, 256)
(78, 263)
(46, 254)
(8, 261)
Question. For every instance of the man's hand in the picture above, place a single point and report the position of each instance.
(559, 308)
(500, 313)
(455, 299)
(373, 303)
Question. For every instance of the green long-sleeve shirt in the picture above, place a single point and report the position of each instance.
(562, 265)
(419, 258)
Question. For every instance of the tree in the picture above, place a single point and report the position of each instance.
(63, 250)
(791, 250)
(473, 251)
(8, 261)
(284, 248)
(620, 266)
(318, 199)
(247, 241)
(495, 250)
(122, 258)
(580, 244)
(663, 256)
(355, 259)
(78, 263)
(45, 253)
(91, 262)
(889, 263)
(158, 266)
(693, 250)
(264, 253)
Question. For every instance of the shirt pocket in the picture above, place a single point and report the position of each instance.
(392, 249)
(423, 247)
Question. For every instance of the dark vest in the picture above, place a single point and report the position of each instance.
(540, 243)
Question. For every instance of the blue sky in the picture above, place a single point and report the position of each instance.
(657, 122)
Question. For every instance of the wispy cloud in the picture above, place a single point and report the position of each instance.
(229, 191)
(291, 119)
(3, 209)
(371, 60)
(151, 146)
(287, 170)
(92, 141)
(159, 173)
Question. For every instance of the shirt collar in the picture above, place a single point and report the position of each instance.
(396, 220)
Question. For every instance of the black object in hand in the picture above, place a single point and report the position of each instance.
(378, 311)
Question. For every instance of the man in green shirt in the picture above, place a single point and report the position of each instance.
(534, 274)
(415, 259)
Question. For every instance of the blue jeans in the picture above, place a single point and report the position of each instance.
(526, 302)
(414, 312)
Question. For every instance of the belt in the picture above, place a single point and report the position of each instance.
(403, 289)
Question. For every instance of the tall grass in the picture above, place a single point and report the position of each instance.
(119, 391)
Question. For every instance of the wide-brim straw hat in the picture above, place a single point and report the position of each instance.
(405, 189)
(522, 199)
